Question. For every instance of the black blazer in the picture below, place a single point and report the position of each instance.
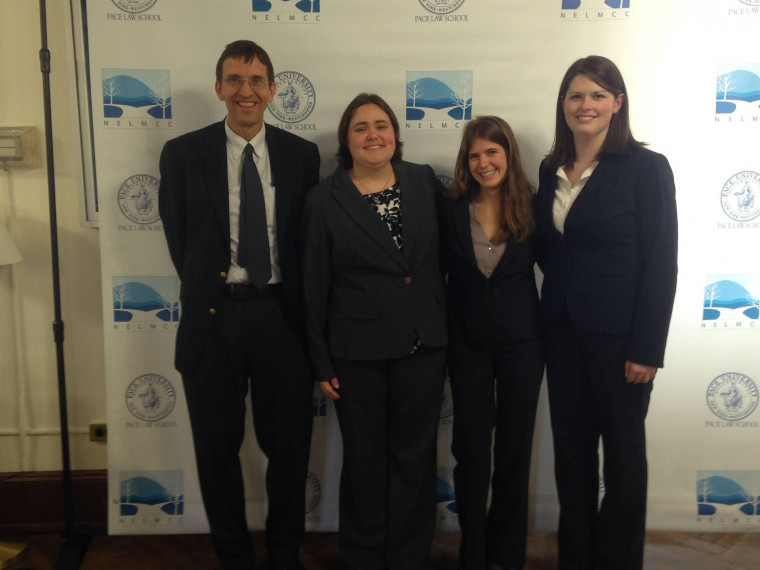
(614, 270)
(194, 204)
(483, 310)
(364, 298)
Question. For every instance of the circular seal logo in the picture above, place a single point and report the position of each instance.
(447, 404)
(150, 397)
(441, 6)
(740, 196)
(751, 2)
(313, 492)
(602, 491)
(732, 396)
(134, 6)
(138, 198)
(447, 181)
(294, 98)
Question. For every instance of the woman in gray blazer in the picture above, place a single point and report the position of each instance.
(376, 331)
(606, 215)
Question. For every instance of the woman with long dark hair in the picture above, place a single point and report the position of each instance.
(607, 228)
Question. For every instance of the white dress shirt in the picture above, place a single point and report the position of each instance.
(566, 193)
(235, 147)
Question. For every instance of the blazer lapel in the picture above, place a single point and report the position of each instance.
(354, 204)
(412, 216)
(509, 253)
(279, 171)
(216, 177)
(544, 207)
(461, 211)
(599, 178)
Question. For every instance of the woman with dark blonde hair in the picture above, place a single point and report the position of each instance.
(495, 354)
(607, 236)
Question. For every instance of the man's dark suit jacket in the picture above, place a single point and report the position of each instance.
(366, 299)
(614, 270)
(483, 310)
(194, 206)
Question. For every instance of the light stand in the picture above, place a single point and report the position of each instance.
(74, 545)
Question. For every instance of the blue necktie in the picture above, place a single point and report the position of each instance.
(253, 241)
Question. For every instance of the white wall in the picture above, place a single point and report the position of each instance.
(29, 419)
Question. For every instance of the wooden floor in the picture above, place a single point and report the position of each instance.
(664, 551)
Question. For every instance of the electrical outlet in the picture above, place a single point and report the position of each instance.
(98, 432)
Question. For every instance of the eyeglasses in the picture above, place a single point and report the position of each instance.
(237, 82)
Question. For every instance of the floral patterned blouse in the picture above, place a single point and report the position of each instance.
(387, 204)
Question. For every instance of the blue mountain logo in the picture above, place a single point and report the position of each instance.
(727, 299)
(447, 181)
(285, 6)
(447, 511)
(445, 495)
(595, 4)
(723, 494)
(144, 495)
(137, 93)
(319, 403)
(313, 492)
(737, 90)
(438, 95)
(151, 299)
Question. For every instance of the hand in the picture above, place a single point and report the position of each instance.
(638, 373)
(330, 387)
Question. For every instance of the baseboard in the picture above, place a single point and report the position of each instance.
(33, 501)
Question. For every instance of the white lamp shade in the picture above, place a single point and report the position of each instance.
(9, 253)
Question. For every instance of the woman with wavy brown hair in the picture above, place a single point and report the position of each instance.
(495, 355)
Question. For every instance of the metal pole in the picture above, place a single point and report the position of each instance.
(73, 548)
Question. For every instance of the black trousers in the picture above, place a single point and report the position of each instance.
(388, 413)
(495, 391)
(252, 347)
(589, 398)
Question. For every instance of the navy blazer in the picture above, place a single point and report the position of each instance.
(485, 310)
(364, 298)
(194, 204)
(614, 269)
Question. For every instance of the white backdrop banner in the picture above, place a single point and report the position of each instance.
(693, 74)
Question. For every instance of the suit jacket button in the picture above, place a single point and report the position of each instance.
(212, 310)
(223, 274)
(407, 280)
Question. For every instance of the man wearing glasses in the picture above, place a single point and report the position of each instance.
(231, 200)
